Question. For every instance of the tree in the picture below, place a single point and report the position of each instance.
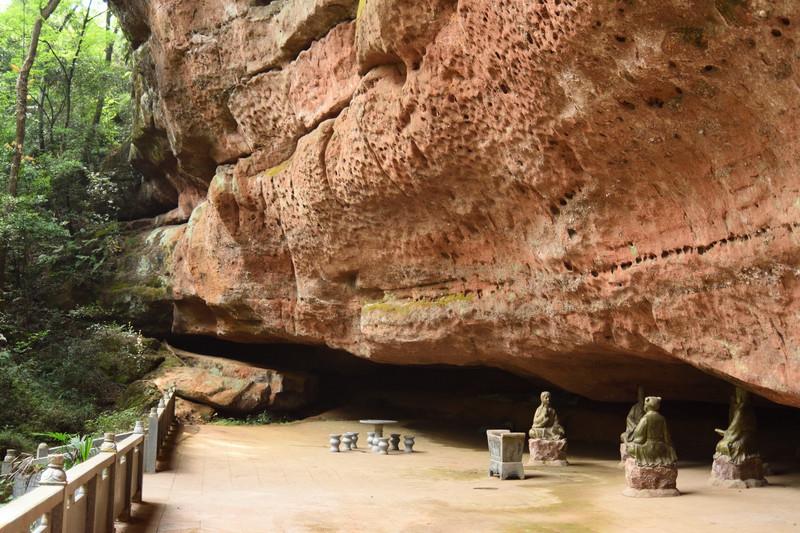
(22, 98)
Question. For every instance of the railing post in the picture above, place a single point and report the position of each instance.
(110, 446)
(8, 461)
(151, 442)
(138, 429)
(42, 451)
(127, 492)
(162, 431)
(54, 475)
(92, 492)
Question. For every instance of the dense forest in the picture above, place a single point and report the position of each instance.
(65, 364)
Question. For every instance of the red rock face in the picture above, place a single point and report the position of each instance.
(599, 193)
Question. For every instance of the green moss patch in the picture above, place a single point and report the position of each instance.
(391, 305)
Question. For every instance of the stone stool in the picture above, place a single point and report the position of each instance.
(335, 440)
(354, 438)
(370, 438)
(383, 445)
(395, 442)
(408, 443)
(347, 441)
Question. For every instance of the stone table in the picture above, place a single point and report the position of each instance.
(378, 425)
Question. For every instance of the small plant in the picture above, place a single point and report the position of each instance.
(55, 436)
(6, 489)
(79, 449)
(259, 419)
(23, 468)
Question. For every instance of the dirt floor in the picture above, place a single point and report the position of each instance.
(282, 477)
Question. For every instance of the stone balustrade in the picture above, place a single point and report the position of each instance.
(90, 496)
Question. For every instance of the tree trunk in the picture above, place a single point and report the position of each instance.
(22, 98)
(22, 112)
(71, 75)
(101, 99)
(40, 126)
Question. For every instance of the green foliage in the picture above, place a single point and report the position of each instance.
(64, 363)
(65, 379)
(115, 421)
(58, 437)
(11, 438)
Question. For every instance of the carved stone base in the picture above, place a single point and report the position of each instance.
(749, 474)
(650, 481)
(548, 452)
(507, 470)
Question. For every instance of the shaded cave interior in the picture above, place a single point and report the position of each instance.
(468, 400)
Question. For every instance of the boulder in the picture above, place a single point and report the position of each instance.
(237, 388)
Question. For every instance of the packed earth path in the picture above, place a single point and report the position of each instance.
(282, 477)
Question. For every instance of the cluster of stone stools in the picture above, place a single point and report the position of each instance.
(375, 439)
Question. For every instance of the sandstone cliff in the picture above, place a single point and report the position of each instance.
(598, 193)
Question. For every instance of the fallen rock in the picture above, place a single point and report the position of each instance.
(193, 413)
(233, 387)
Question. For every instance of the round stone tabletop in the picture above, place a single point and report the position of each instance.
(376, 422)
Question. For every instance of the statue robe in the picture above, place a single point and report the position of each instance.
(651, 444)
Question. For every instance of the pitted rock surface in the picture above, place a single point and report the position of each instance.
(603, 194)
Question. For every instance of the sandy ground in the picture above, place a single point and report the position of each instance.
(283, 478)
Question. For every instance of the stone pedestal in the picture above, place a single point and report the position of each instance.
(748, 474)
(548, 452)
(650, 481)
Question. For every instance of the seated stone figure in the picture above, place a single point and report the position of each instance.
(545, 421)
(634, 415)
(739, 440)
(651, 444)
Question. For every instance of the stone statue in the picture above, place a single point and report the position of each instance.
(651, 444)
(545, 421)
(634, 415)
(739, 440)
(547, 442)
(737, 463)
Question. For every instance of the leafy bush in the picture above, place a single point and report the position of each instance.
(62, 380)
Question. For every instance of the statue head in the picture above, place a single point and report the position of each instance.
(652, 403)
(545, 397)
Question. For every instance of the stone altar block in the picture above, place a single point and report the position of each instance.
(505, 453)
